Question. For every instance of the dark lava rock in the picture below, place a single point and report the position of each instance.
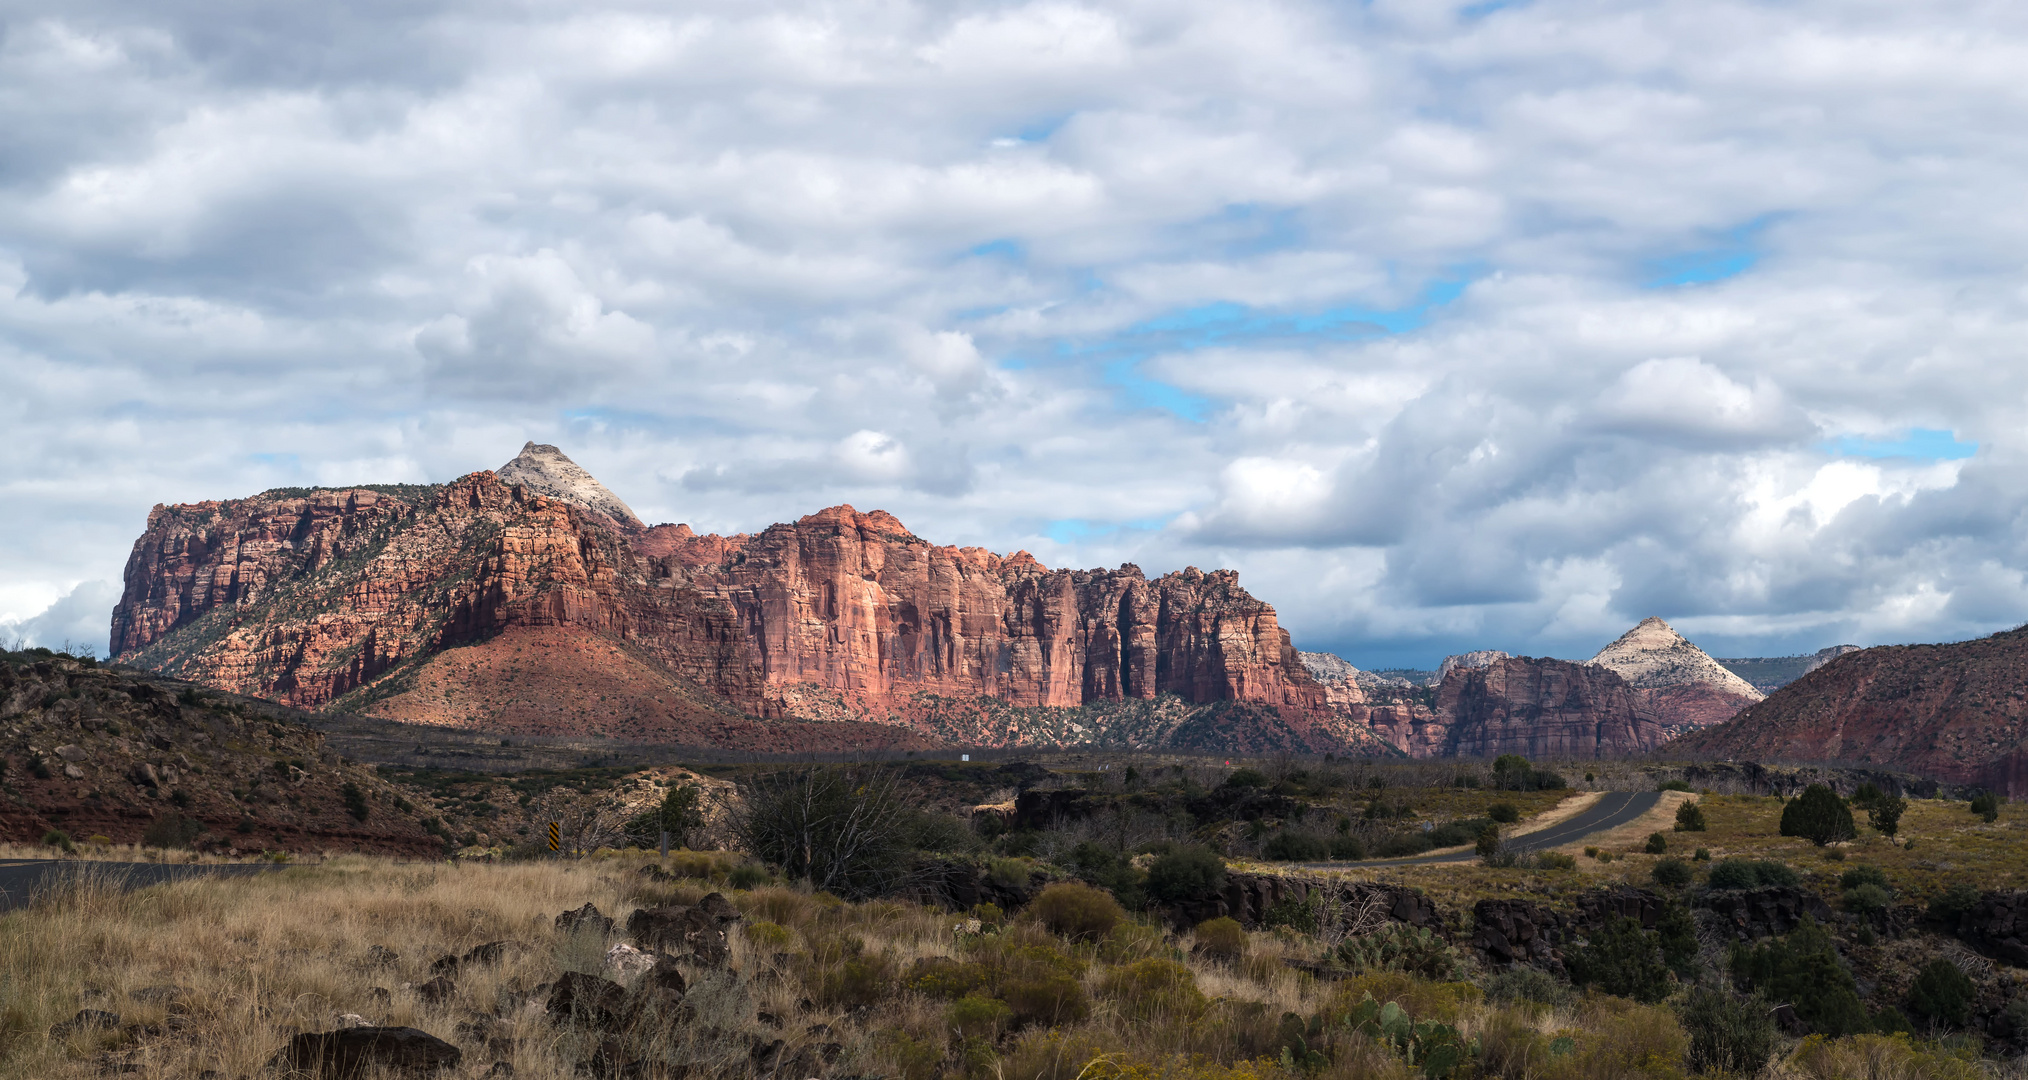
(437, 990)
(350, 1052)
(1601, 906)
(586, 999)
(698, 929)
(1518, 931)
(382, 956)
(1998, 927)
(587, 917)
(1768, 912)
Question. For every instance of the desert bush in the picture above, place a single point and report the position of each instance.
(1401, 947)
(1819, 816)
(768, 935)
(975, 1017)
(1676, 936)
(1701, 855)
(1287, 846)
(1862, 875)
(1505, 813)
(1054, 1000)
(355, 800)
(1954, 902)
(1246, 778)
(1152, 988)
(1347, 847)
(1512, 772)
(840, 974)
(1622, 959)
(1884, 814)
(748, 876)
(1454, 833)
(1556, 860)
(1876, 1057)
(171, 831)
(1690, 818)
(1186, 873)
(1674, 873)
(1098, 865)
(1673, 785)
(1986, 805)
(1941, 994)
(1803, 970)
(1750, 874)
(1657, 844)
(1866, 899)
(1618, 1042)
(1222, 938)
(1075, 910)
(1521, 983)
(836, 826)
(61, 840)
(946, 979)
(1728, 1034)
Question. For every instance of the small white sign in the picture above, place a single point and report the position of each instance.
(964, 757)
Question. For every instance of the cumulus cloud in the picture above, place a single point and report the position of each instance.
(1447, 326)
(80, 621)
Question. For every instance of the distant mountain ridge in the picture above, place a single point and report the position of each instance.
(1771, 673)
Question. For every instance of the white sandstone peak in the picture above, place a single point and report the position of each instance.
(1477, 658)
(1328, 668)
(1653, 655)
(545, 470)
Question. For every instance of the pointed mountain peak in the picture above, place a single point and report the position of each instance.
(545, 470)
(1653, 655)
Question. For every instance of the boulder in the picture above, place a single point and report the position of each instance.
(357, 1052)
(1768, 912)
(1600, 906)
(698, 929)
(1997, 926)
(587, 917)
(586, 999)
(439, 989)
(1518, 931)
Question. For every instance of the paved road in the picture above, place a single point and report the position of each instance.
(1612, 810)
(20, 878)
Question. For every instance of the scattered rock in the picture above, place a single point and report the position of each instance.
(72, 752)
(382, 956)
(1998, 927)
(624, 962)
(586, 999)
(490, 953)
(85, 1020)
(437, 990)
(1518, 931)
(698, 929)
(352, 1052)
(586, 917)
(1768, 912)
(353, 1020)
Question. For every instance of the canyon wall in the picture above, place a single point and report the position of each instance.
(350, 596)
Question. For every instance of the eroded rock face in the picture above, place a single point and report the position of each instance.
(1530, 706)
(1685, 688)
(1958, 712)
(322, 597)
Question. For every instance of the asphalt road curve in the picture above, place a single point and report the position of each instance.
(1612, 810)
(20, 878)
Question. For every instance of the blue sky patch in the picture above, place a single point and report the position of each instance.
(1931, 444)
(1073, 530)
(1734, 254)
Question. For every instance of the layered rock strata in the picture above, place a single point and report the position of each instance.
(1532, 706)
(341, 597)
(1958, 712)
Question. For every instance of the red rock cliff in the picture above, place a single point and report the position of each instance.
(307, 597)
(1530, 706)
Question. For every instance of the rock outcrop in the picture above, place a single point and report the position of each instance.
(1477, 658)
(1958, 712)
(1535, 707)
(1685, 688)
(357, 598)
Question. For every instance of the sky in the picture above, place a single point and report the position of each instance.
(1447, 325)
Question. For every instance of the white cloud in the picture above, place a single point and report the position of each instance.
(747, 260)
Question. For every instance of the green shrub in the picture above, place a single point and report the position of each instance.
(748, 876)
(1673, 785)
(1689, 818)
(1622, 959)
(975, 1017)
(1401, 947)
(1101, 866)
(1750, 874)
(1819, 816)
(1885, 815)
(1728, 1034)
(1942, 994)
(1556, 860)
(1866, 899)
(1488, 844)
(1674, 873)
(1803, 970)
(1953, 903)
(1986, 805)
(1676, 935)
(1222, 938)
(1053, 1000)
(1505, 813)
(1701, 855)
(1286, 846)
(355, 801)
(1347, 847)
(1866, 795)
(1153, 988)
(1657, 844)
(1076, 911)
(1523, 983)
(1453, 833)
(1246, 778)
(768, 935)
(58, 839)
(947, 979)
(1186, 873)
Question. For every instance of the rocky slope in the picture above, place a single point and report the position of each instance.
(360, 598)
(90, 751)
(1958, 712)
(1771, 673)
(1684, 688)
